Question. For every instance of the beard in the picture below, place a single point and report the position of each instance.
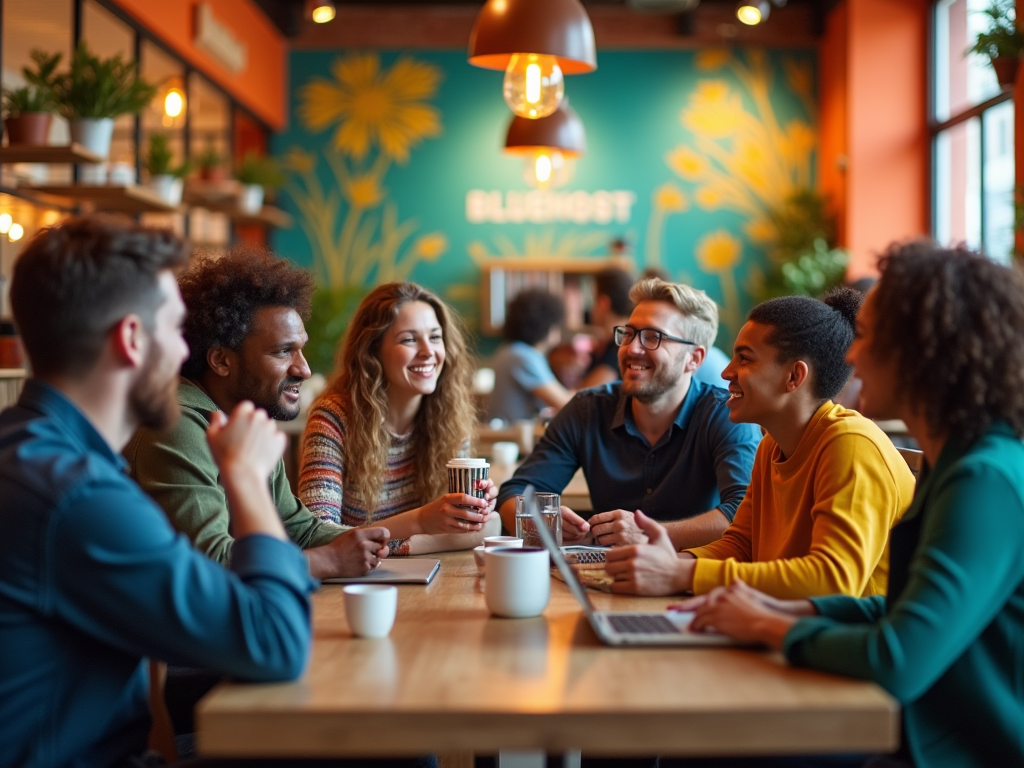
(661, 383)
(153, 398)
(267, 395)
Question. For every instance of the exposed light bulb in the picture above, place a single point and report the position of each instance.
(752, 12)
(322, 12)
(533, 85)
(545, 168)
(16, 232)
(5, 223)
(174, 102)
(542, 168)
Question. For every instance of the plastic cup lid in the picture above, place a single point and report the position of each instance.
(467, 463)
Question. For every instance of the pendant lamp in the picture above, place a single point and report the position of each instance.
(547, 144)
(536, 42)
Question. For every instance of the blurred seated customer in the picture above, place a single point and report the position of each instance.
(397, 408)
(612, 307)
(93, 579)
(523, 381)
(245, 332)
(656, 441)
(827, 484)
(938, 346)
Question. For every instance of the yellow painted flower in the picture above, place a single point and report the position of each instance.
(298, 160)
(363, 191)
(800, 140)
(669, 197)
(760, 230)
(374, 107)
(719, 251)
(709, 198)
(687, 163)
(712, 59)
(431, 246)
(714, 111)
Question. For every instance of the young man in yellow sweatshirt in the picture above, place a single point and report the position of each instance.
(827, 484)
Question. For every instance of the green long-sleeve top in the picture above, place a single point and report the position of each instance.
(177, 469)
(948, 640)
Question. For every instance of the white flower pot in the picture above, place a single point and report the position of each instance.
(167, 188)
(251, 200)
(93, 133)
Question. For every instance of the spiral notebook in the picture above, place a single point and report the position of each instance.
(395, 570)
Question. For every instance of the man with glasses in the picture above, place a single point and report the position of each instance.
(657, 441)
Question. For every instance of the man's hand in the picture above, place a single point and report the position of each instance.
(574, 528)
(353, 553)
(617, 528)
(791, 607)
(740, 611)
(246, 448)
(649, 569)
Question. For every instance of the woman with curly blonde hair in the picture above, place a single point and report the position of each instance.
(397, 408)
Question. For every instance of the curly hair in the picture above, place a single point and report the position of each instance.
(818, 332)
(73, 281)
(446, 417)
(532, 314)
(952, 320)
(699, 311)
(222, 295)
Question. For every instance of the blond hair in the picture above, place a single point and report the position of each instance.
(445, 419)
(700, 313)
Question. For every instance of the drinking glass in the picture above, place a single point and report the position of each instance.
(550, 509)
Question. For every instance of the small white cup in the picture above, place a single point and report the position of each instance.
(370, 609)
(502, 541)
(504, 453)
(518, 581)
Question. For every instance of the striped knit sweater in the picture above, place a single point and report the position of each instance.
(322, 473)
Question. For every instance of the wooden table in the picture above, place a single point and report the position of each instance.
(452, 679)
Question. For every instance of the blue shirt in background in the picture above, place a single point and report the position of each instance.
(518, 370)
(710, 371)
(702, 462)
(93, 579)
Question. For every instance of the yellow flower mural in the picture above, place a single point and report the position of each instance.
(378, 116)
(666, 200)
(719, 253)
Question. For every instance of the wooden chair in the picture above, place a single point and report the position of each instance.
(914, 459)
(161, 732)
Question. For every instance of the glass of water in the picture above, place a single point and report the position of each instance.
(550, 509)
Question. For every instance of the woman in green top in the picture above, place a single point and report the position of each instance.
(941, 346)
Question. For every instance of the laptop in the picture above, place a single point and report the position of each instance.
(664, 628)
(395, 570)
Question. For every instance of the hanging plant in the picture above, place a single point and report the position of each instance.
(1002, 43)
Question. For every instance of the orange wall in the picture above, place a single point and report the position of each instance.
(879, 47)
(261, 85)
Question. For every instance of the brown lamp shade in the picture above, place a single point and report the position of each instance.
(561, 130)
(559, 28)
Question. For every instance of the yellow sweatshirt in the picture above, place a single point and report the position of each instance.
(817, 522)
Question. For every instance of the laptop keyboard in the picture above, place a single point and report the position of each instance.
(641, 624)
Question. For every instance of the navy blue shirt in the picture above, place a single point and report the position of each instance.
(93, 579)
(702, 462)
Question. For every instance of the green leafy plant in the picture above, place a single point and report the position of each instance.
(96, 88)
(331, 312)
(210, 158)
(1002, 38)
(159, 158)
(802, 260)
(38, 95)
(262, 170)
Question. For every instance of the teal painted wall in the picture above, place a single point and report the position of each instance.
(702, 142)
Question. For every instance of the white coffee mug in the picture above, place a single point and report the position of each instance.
(502, 541)
(504, 453)
(517, 582)
(370, 609)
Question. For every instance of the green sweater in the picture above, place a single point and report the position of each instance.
(948, 641)
(177, 469)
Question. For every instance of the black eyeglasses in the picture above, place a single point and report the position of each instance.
(650, 338)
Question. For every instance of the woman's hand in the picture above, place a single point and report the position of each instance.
(446, 514)
(491, 495)
(742, 612)
(790, 607)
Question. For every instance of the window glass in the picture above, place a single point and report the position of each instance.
(957, 180)
(961, 81)
(106, 35)
(998, 214)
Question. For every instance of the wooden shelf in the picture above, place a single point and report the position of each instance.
(73, 153)
(268, 216)
(129, 199)
(218, 196)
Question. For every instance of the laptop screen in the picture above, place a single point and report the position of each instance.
(577, 589)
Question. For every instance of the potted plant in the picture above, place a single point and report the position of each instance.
(210, 163)
(257, 173)
(93, 91)
(1002, 43)
(27, 110)
(165, 178)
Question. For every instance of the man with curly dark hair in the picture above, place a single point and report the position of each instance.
(245, 332)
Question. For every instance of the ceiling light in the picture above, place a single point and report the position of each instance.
(753, 12)
(5, 223)
(536, 42)
(174, 102)
(320, 11)
(16, 232)
(547, 144)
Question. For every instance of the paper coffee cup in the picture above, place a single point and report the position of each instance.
(463, 475)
